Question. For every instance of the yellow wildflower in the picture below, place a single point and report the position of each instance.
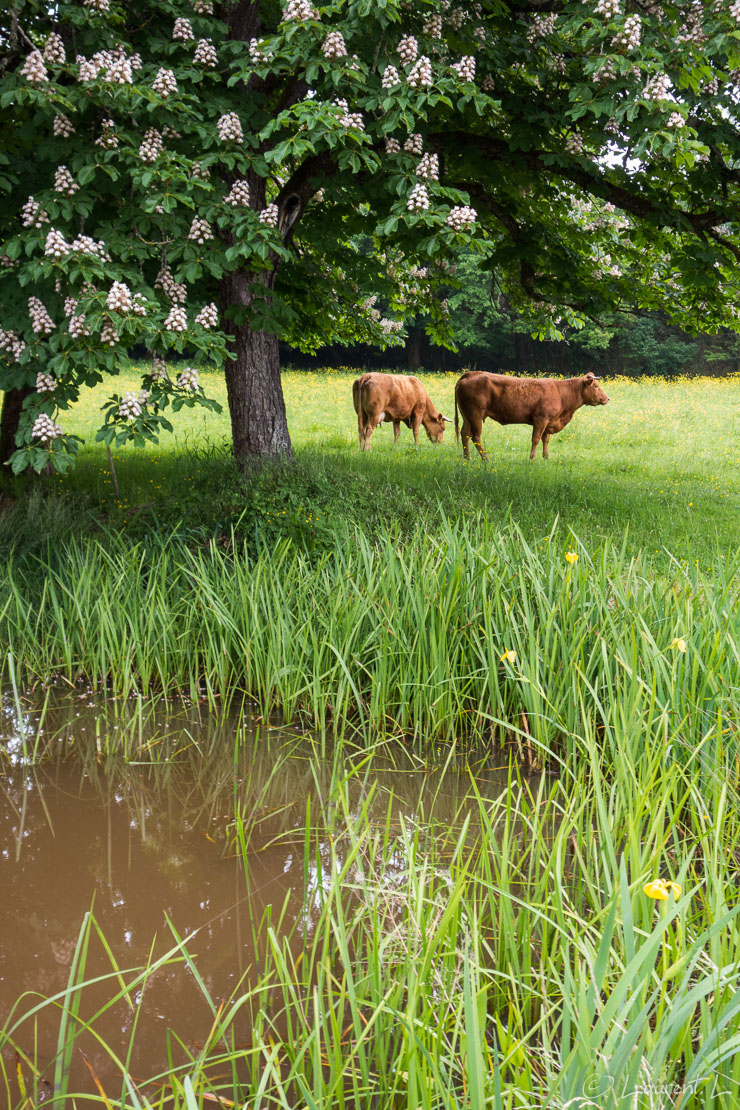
(571, 556)
(508, 656)
(660, 889)
(679, 644)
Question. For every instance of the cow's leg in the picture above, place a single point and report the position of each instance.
(396, 431)
(538, 430)
(465, 436)
(476, 432)
(546, 445)
(415, 425)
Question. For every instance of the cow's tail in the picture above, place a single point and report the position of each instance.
(357, 385)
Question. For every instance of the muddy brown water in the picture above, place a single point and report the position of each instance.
(143, 845)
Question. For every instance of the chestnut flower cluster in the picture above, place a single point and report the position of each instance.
(675, 120)
(164, 83)
(200, 231)
(97, 5)
(41, 321)
(61, 127)
(45, 429)
(182, 30)
(408, 48)
(34, 70)
(11, 343)
(302, 10)
(32, 214)
(256, 53)
(171, 289)
(334, 45)
(574, 143)
(420, 75)
(465, 68)
(735, 10)
(78, 328)
(119, 298)
(109, 337)
(392, 146)
(540, 27)
(230, 129)
(151, 147)
(56, 245)
(428, 167)
(54, 52)
(64, 183)
(159, 369)
(45, 383)
(208, 316)
(418, 199)
(390, 76)
(238, 194)
(203, 7)
(608, 8)
(414, 144)
(269, 215)
(205, 54)
(107, 137)
(628, 38)
(461, 216)
(177, 319)
(433, 26)
(347, 118)
(132, 404)
(658, 87)
(188, 379)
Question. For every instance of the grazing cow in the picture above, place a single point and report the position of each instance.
(396, 397)
(546, 404)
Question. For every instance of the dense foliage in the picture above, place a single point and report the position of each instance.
(203, 179)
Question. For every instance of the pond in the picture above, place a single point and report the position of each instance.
(211, 839)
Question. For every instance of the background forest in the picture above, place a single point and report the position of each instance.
(491, 335)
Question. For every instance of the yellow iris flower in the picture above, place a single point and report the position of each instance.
(508, 656)
(661, 888)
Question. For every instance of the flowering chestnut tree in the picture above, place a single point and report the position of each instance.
(205, 178)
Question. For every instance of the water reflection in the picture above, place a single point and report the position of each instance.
(154, 850)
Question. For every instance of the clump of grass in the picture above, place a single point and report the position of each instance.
(477, 635)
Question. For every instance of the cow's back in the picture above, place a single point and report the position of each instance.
(506, 399)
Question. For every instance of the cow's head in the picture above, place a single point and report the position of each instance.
(434, 424)
(593, 394)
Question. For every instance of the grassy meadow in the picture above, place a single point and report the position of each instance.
(576, 618)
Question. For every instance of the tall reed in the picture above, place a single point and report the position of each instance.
(402, 638)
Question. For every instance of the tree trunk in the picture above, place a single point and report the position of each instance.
(259, 426)
(9, 419)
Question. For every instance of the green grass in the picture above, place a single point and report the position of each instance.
(658, 463)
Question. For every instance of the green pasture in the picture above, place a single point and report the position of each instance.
(659, 464)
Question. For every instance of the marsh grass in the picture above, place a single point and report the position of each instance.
(508, 958)
(403, 637)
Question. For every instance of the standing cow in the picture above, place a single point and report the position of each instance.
(396, 397)
(546, 404)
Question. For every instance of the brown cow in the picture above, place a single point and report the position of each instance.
(396, 397)
(546, 404)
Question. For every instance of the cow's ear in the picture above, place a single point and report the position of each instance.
(590, 377)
